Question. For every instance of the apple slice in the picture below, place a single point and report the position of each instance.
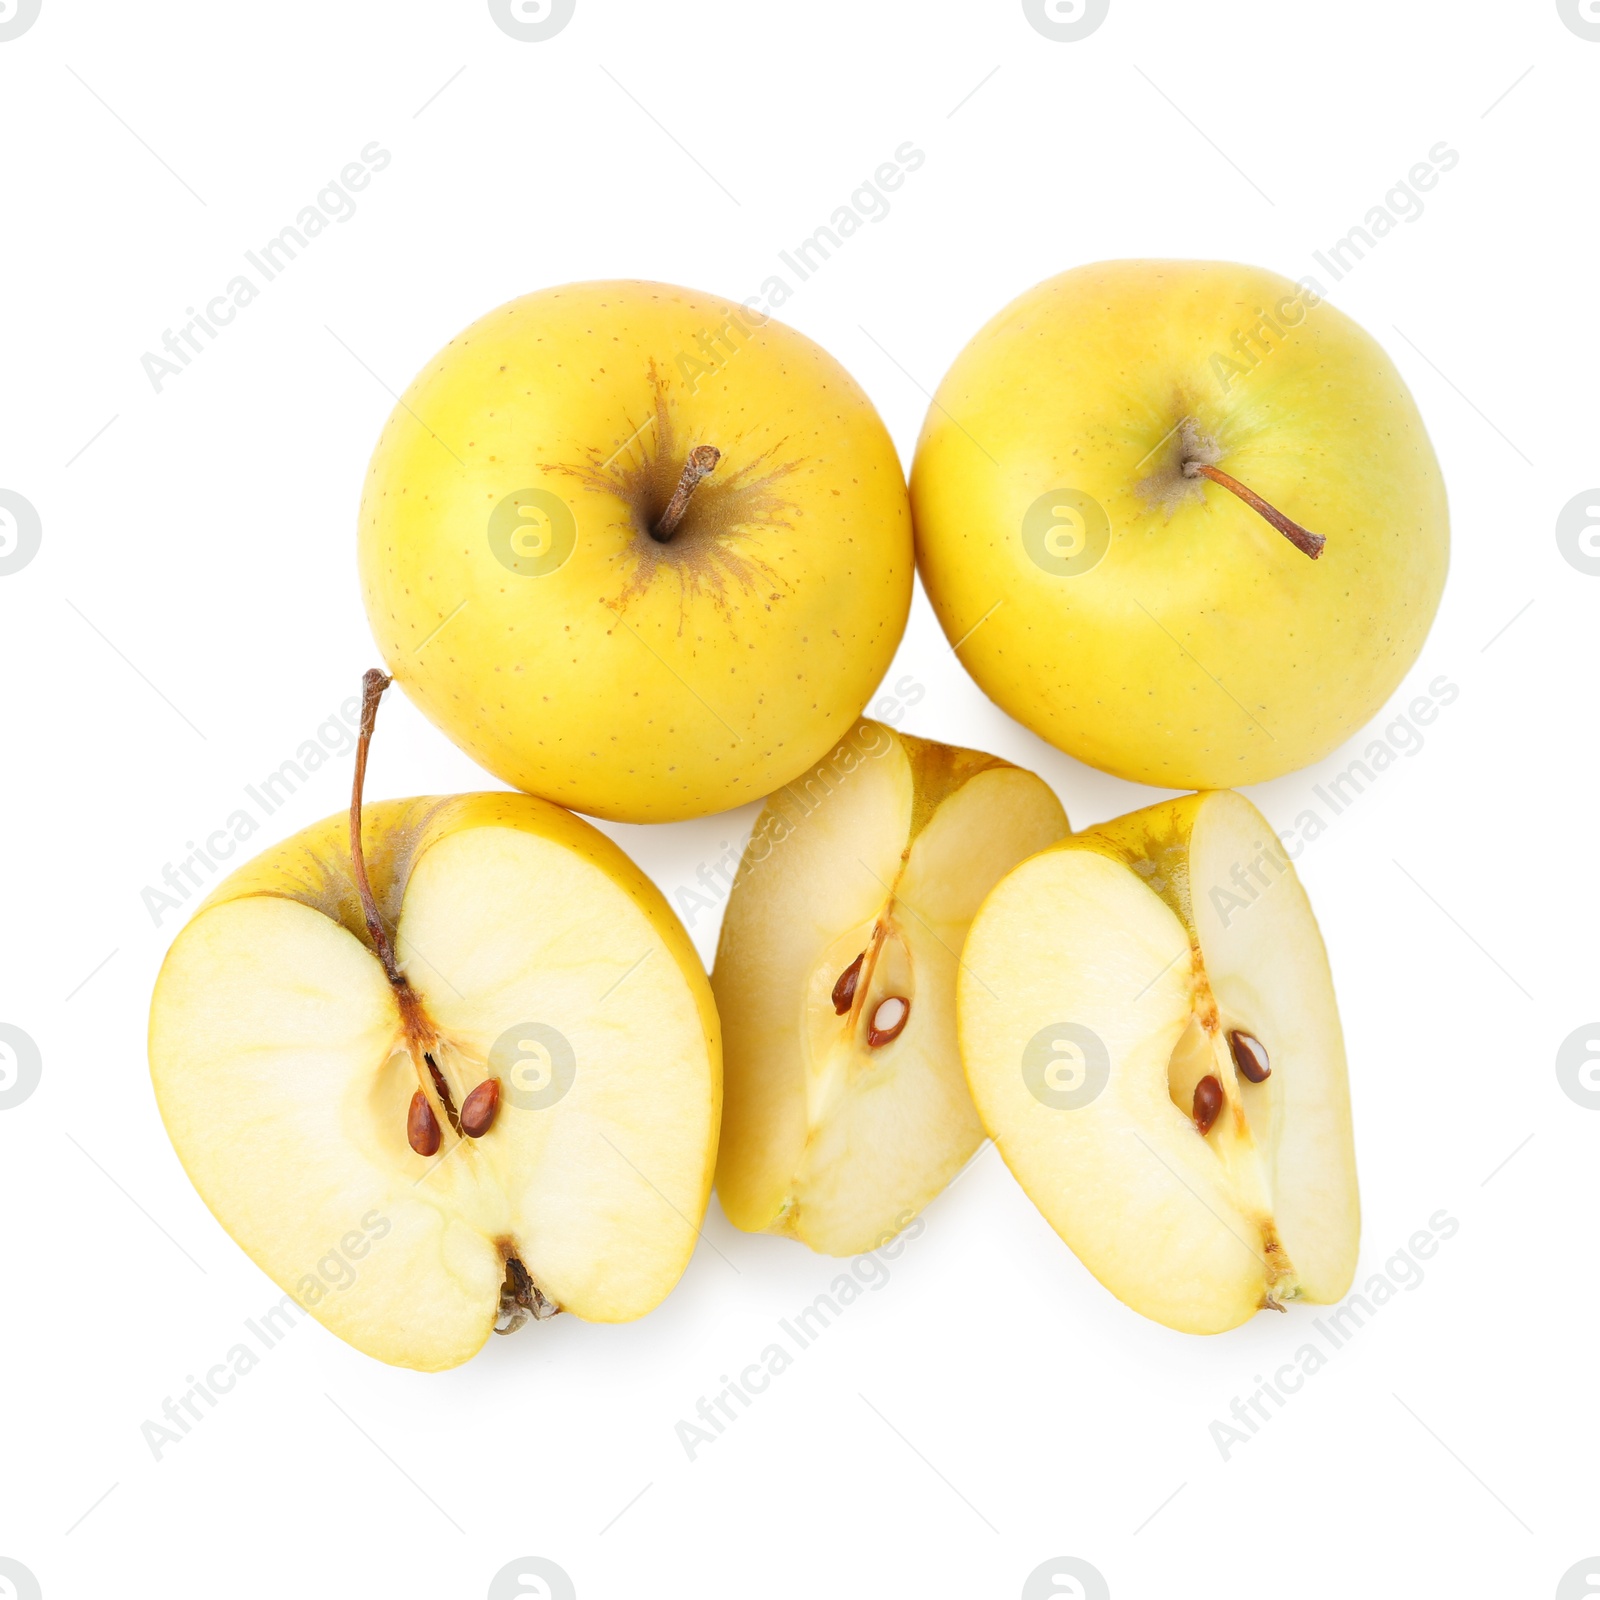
(835, 978)
(1149, 1030)
(506, 1109)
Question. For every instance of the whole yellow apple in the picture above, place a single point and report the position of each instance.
(1180, 518)
(636, 549)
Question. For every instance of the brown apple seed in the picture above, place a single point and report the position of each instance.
(889, 1020)
(844, 991)
(479, 1108)
(1250, 1056)
(1207, 1102)
(422, 1127)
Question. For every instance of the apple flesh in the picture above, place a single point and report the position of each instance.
(299, 1084)
(847, 1111)
(1148, 1024)
(1084, 496)
(635, 549)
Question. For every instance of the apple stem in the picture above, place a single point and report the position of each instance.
(373, 683)
(702, 460)
(1310, 543)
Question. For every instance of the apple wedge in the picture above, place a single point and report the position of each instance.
(477, 1059)
(1149, 1030)
(847, 1111)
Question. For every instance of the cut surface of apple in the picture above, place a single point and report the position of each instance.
(298, 1083)
(1149, 1029)
(847, 1111)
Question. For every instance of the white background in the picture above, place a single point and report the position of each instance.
(193, 616)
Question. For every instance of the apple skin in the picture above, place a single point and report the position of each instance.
(635, 680)
(1201, 650)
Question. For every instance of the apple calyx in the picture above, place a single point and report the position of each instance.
(1301, 538)
(701, 461)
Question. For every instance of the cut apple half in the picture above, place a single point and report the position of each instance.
(504, 1105)
(847, 1110)
(1148, 1025)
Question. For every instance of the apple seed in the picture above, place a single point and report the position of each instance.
(1250, 1056)
(422, 1127)
(479, 1108)
(1207, 1102)
(888, 1021)
(844, 991)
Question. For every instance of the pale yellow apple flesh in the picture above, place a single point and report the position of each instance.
(1100, 984)
(884, 853)
(534, 952)
(519, 588)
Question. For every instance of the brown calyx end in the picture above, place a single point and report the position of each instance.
(521, 1299)
(700, 463)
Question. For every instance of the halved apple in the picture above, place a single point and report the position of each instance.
(1149, 1029)
(835, 977)
(498, 1102)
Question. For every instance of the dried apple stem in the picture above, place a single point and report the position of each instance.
(1302, 539)
(373, 683)
(702, 461)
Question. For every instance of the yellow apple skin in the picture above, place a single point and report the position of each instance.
(1202, 649)
(586, 662)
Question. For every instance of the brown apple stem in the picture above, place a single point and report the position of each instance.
(702, 460)
(1302, 539)
(373, 683)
